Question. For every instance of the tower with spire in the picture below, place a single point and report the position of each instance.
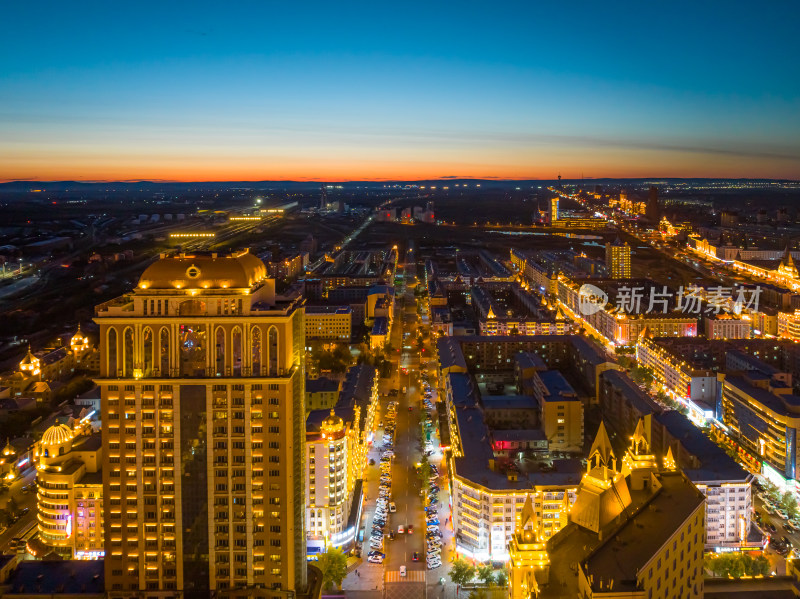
(603, 494)
(529, 560)
(787, 267)
(639, 465)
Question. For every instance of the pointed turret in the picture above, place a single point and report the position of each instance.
(639, 440)
(639, 464)
(527, 516)
(528, 556)
(603, 494)
(601, 449)
(669, 460)
(490, 313)
(787, 266)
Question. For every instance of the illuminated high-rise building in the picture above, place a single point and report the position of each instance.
(618, 259)
(553, 213)
(70, 491)
(202, 388)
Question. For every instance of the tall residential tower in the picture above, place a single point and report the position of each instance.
(202, 389)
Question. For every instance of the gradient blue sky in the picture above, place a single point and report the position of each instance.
(324, 90)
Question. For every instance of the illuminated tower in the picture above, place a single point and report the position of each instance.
(603, 493)
(639, 464)
(618, 259)
(528, 555)
(787, 267)
(202, 387)
(553, 210)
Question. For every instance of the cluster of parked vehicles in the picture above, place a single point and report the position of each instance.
(427, 392)
(384, 505)
(433, 533)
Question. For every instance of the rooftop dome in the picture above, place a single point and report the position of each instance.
(29, 359)
(204, 271)
(56, 435)
(332, 423)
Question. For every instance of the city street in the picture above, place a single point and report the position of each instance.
(23, 500)
(406, 485)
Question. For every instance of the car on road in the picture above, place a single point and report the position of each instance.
(410, 529)
(375, 559)
(415, 557)
(401, 529)
(392, 507)
(402, 570)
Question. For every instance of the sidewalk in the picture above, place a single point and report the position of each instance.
(448, 589)
(362, 575)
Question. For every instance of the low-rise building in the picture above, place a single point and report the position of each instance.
(728, 326)
(329, 323)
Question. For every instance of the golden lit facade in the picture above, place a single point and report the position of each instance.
(202, 389)
(789, 325)
(638, 534)
(618, 260)
(329, 323)
(70, 492)
(527, 556)
(331, 473)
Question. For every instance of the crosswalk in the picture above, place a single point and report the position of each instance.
(411, 576)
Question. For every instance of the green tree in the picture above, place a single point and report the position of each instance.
(333, 564)
(478, 594)
(501, 579)
(789, 503)
(486, 574)
(461, 572)
(424, 471)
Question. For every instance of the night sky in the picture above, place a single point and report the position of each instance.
(405, 90)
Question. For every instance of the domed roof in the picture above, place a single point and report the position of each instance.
(332, 423)
(56, 435)
(206, 271)
(77, 338)
(29, 359)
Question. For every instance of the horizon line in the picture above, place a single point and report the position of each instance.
(443, 179)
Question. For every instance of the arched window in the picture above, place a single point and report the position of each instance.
(219, 362)
(127, 352)
(163, 351)
(236, 351)
(272, 341)
(111, 351)
(147, 348)
(192, 349)
(255, 345)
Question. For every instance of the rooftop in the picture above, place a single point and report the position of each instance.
(74, 577)
(651, 520)
(509, 402)
(322, 385)
(557, 386)
(715, 464)
(240, 270)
